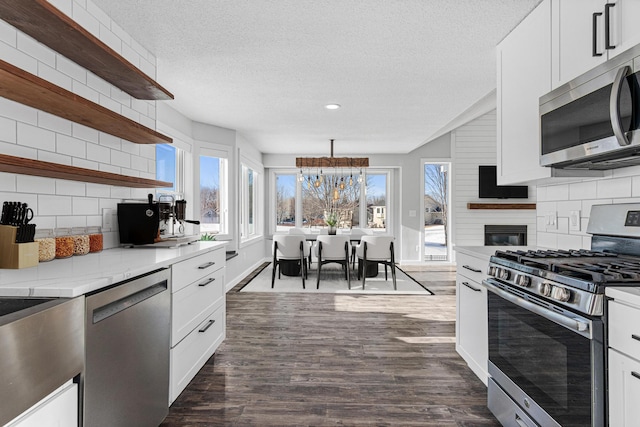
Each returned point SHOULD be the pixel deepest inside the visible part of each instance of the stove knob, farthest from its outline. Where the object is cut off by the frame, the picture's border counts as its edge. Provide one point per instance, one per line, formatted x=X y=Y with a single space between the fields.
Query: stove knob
x=561 y=294
x=523 y=280
x=491 y=271
x=545 y=289
x=503 y=274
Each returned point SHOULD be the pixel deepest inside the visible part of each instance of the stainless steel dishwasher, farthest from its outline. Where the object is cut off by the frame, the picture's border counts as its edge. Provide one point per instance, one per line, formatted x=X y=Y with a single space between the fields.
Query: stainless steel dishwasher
x=127 y=327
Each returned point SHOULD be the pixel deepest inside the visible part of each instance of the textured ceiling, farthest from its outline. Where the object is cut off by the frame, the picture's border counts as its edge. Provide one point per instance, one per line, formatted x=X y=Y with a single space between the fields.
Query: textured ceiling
x=401 y=69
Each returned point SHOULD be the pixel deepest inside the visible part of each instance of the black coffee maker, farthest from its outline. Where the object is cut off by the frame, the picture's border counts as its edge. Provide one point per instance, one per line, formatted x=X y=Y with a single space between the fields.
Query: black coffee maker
x=138 y=222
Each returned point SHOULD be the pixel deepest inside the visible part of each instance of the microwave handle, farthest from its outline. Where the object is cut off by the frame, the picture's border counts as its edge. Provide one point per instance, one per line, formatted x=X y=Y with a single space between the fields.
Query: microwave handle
x=614 y=105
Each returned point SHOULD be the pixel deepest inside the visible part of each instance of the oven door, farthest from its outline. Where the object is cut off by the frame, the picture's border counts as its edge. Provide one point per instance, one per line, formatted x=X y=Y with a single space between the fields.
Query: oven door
x=548 y=360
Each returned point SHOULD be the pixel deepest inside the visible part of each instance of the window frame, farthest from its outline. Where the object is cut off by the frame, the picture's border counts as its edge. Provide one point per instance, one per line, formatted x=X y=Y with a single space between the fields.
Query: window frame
x=226 y=202
x=243 y=214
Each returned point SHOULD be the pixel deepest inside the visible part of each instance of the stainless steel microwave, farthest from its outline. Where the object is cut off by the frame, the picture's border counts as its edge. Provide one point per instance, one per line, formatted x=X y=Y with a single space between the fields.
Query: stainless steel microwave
x=593 y=121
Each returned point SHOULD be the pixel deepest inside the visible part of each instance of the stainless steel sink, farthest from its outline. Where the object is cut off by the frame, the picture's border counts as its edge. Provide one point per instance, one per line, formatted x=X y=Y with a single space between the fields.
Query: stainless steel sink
x=41 y=347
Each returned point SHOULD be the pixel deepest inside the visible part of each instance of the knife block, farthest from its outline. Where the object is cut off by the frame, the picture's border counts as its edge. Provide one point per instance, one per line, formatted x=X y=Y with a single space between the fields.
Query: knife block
x=16 y=255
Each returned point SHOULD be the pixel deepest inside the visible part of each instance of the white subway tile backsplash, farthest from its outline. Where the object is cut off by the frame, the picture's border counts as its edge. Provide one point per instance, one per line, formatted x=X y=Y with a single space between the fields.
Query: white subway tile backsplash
x=44 y=221
x=109 y=203
x=132 y=148
x=121 y=96
x=109 y=103
x=70 y=188
x=85 y=91
x=18 y=58
x=54 y=123
x=563 y=225
x=546 y=240
x=98 y=84
x=98 y=190
x=557 y=192
x=86 y=164
x=144 y=53
x=120 y=193
x=98 y=13
x=54 y=76
x=109 y=168
x=94 y=221
x=139 y=163
x=569 y=241
x=121 y=159
x=35 y=184
x=32 y=136
x=582 y=190
x=129 y=172
x=86 y=19
x=8 y=130
x=614 y=188
x=71 y=69
x=8 y=34
x=148 y=68
x=110 y=39
x=122 y=34
x=48 y=156
x=85 y=133
x=98 y=153
x=151 y=166
x=54 y=205
x=129 y=113
x=35 y=49
x=86 y=206
x=131 y=55
x=19 y=112
x=565 y=208
x=148 y=151
x=69 y=221
x=18 y=150
x=110 y=141
x=71 y=146
x=148 y=122
x=7 y=182
x=64 y=6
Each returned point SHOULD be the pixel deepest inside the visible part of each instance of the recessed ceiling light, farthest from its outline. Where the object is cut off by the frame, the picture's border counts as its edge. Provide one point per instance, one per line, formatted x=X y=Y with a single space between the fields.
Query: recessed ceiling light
x=332 y=106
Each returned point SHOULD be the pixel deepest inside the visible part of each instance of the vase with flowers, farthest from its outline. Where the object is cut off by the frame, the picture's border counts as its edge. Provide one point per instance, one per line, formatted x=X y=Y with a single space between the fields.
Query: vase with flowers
x=331 y=220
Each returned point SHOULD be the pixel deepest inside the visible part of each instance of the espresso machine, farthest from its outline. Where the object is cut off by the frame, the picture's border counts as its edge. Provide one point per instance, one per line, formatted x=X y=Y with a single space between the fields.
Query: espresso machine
x=173 y=222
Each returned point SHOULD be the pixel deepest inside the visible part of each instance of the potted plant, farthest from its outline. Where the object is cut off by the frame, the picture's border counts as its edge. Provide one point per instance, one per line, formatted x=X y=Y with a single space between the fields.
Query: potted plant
x=331 y=220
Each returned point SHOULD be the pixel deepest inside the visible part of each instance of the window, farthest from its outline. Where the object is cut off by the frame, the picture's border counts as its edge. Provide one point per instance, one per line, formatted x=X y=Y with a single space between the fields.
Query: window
x=213 y=179
x=248 y=203
x=168 y=167
x=358 y=200
x=376 y=196
x=285 y=201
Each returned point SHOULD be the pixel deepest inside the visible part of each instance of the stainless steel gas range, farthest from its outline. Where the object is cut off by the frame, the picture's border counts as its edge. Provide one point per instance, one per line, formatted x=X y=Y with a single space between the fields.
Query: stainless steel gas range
x=547 y=323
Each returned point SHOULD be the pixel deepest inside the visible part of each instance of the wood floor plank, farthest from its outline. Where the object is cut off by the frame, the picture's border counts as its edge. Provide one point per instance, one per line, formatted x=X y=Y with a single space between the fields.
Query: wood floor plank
x=341 y=360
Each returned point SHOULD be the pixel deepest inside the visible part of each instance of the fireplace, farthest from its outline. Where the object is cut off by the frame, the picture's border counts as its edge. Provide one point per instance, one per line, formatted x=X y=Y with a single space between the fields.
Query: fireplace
x=505 y=235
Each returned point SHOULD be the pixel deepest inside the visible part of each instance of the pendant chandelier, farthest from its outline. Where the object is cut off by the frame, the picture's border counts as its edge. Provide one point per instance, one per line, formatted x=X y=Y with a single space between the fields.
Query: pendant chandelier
x=340 y=175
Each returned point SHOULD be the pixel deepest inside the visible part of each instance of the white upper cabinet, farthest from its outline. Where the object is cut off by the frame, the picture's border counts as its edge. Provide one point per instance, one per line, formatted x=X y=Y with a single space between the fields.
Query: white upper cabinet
x=586 y=33
x=524 y=75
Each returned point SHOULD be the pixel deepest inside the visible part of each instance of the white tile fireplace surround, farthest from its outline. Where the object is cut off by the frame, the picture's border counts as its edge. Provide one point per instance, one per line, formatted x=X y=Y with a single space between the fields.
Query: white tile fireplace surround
x=574 y=200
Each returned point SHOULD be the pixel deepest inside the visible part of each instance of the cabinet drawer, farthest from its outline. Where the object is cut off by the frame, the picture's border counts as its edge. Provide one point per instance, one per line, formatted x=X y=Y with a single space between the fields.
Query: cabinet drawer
x=624 y=390
x=471 y=267
x=188 y=271
x=194 y=350
x=191 y=304
x=624 y=329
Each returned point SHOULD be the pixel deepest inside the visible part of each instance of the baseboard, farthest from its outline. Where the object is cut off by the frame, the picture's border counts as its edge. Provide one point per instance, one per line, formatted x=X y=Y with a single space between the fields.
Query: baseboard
x=231 y=283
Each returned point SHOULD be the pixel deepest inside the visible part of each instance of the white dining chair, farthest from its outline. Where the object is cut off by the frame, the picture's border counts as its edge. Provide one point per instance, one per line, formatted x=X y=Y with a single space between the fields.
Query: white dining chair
x=355 y=237
x=300 y=232
x=289 y=248
x=377 y=249
x=333 y=248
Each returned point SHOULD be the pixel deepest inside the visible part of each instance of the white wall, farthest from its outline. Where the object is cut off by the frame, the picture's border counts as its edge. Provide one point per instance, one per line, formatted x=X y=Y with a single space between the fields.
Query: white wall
x=34 y=134
x=474 y=144
x=620 y=186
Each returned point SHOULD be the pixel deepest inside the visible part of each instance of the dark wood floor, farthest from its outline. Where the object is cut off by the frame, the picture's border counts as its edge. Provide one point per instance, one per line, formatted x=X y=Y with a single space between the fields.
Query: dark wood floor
x=338 y=360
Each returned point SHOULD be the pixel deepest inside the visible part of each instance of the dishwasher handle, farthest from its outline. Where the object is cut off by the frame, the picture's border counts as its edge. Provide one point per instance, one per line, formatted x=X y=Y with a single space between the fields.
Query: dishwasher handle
x=119 y=305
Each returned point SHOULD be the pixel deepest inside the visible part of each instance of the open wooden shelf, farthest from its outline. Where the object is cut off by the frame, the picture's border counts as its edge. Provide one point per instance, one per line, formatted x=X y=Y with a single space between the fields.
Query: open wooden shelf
x=501 y=205
x=21 y=86
x=25 y=166
x=51 y=27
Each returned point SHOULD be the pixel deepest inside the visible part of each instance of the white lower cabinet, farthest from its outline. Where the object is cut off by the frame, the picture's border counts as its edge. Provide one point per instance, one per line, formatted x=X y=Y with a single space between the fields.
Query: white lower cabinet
x=198 y=316
x=59 y=409
x=624 y=359
x=471 y=313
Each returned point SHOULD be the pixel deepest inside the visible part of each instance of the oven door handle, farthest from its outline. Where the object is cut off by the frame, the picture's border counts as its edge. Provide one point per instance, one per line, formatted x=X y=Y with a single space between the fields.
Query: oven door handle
x=576 y=325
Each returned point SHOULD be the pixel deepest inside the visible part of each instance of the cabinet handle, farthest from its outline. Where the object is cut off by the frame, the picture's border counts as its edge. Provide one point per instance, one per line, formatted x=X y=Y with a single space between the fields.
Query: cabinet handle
x=594 y=32
x=607 y=26
x=635 y=374
x=206 y=282
x=471 y=287
x=475 y=270
x=635 y=337
x=207 y=265
x=207 y=326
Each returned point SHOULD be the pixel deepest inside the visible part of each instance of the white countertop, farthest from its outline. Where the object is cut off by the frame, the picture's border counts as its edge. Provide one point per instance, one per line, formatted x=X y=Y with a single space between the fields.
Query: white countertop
x=486 y=251
x=78 y=275
x=628 y=294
